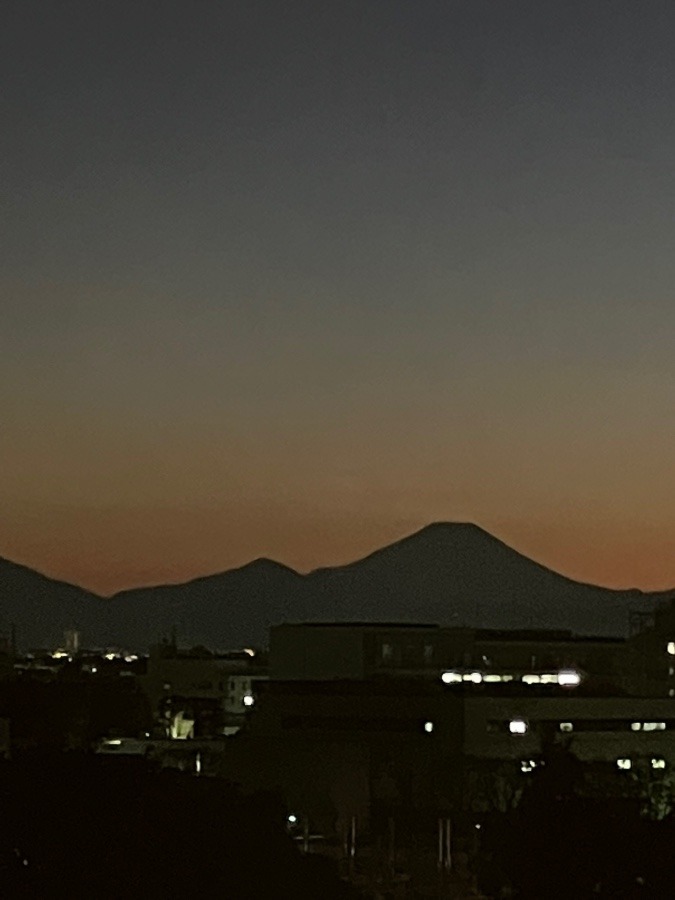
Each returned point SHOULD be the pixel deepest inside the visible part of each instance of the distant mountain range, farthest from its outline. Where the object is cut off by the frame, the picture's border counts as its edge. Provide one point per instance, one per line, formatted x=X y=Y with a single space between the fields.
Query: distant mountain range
x=447 y=573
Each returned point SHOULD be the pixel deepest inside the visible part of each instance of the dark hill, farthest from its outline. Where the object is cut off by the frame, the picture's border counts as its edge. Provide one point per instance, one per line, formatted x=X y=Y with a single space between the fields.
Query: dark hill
x=42 y=608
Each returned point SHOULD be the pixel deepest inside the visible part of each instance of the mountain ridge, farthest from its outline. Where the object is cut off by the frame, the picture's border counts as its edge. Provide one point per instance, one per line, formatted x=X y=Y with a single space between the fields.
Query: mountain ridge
x=447 y=572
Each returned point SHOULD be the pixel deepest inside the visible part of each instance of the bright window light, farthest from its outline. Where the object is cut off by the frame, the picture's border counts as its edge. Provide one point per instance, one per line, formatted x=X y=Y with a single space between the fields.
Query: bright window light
x=492 y=679
x=670 y=647
x=566 y=726
x=624 y=763
x=653 y=726
x=518 y=726
x=658 y=763
x=248 y=700
x=292 y=819
x=527 y=765
x=636 y=726
x=428 y=727
x=451 y=677
x=531 y=679
x=569 y=678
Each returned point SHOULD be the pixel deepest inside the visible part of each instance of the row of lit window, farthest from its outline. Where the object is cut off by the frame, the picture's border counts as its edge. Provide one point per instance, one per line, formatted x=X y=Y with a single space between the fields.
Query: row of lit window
x=565 y=678
x=625 y=763
x=520 y=726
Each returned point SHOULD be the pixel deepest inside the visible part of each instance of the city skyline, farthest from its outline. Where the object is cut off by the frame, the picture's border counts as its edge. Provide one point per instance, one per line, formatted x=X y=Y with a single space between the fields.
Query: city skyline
x=294 y=282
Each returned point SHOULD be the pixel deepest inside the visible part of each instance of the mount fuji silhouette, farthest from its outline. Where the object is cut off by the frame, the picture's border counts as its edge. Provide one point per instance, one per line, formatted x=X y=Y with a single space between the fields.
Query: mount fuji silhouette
x=447 y=573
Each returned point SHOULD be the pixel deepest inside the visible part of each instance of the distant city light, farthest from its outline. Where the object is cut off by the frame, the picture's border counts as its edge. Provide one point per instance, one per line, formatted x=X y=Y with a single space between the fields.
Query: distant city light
x=658 y=763
x=518 y=726
x=248 y=700
x=566 y=726
x=671 y=648
x=292 y=819
x=59 y=654
x=428 y=727
x=451 y=677
x=115 y=742
x=527 y=765
x=198 y=763
x=624 y=763
x=249 y=651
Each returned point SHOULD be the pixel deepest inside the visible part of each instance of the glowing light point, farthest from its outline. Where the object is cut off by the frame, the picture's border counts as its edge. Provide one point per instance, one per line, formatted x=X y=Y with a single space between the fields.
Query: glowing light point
x=428 y=727
x=518 y=726
x=569 y=678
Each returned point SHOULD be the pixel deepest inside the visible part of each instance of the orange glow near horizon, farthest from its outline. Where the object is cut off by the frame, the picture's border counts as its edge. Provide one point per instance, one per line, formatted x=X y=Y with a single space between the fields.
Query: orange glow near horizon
x=111 y=550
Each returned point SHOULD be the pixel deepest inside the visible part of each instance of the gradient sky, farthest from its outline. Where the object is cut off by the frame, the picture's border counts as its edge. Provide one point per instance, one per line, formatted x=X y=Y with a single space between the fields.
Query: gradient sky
x=294 y=279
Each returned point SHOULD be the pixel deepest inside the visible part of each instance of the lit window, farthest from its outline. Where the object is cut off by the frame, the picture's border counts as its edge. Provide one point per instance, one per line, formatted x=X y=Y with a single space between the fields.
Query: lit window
x=473 y=677
x=624 y=763
x=248 y=700
x=292 y=819
x=569 y=678
x=527 y=765
x=671 y=671
x=518 y=726
x=636 y=726
x=451 y=677
x=492 y=679
x=428 y=727
x=658 y=762
x=566 y=726
x=670 y=647
x=549 y=678
x=531 y=679
x=653 y=726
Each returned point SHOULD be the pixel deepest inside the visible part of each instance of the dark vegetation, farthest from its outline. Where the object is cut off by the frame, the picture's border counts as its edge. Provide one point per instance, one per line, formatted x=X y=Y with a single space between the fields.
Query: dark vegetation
x=559 y=842
x=84 y=826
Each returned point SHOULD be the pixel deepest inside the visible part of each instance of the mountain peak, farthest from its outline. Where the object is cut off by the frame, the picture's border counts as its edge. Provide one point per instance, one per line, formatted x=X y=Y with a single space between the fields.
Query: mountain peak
x=450 y=529
x=264 y=564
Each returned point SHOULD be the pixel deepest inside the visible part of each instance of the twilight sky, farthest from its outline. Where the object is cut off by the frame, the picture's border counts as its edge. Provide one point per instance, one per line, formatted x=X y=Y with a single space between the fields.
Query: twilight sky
x=295 y=278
